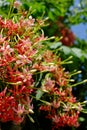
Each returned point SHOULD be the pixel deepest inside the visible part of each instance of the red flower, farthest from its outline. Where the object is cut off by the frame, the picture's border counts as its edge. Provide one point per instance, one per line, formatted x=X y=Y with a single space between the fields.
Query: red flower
x=68 y=37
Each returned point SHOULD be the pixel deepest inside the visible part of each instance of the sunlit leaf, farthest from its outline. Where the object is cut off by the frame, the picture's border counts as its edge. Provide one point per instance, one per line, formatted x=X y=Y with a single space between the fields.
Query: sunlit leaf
x=55 y=45
x=66 y=50
x=77 y=52
x=39 y=94
x=81 y=119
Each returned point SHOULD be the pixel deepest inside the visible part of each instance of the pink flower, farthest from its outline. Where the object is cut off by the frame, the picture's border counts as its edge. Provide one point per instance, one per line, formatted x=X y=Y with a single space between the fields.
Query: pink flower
x=20 y=110
x=28 y=105
x=17 y=4
x=48 y=85
x=56 y=104
x=56 y=119
x=2 y=39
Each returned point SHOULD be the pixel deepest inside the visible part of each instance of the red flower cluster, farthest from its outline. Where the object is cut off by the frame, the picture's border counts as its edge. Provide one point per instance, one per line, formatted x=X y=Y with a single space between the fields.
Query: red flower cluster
x=22 y=56
x=16 y=58
x=63 y=109
x=68 y=36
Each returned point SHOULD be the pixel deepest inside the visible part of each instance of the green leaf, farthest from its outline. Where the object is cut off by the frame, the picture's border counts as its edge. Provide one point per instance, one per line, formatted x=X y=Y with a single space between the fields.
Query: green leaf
x=31 y=119
x=84 y=111
x=10 y=0
x=85 y=55
x=51 y=16
x=81 y=119
x=55 y=45
x=39 y=94
x=66 y=50
x=77 y=52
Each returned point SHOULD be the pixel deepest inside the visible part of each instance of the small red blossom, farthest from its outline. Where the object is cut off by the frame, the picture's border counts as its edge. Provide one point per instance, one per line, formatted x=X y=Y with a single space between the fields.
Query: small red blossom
x=45 y=108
